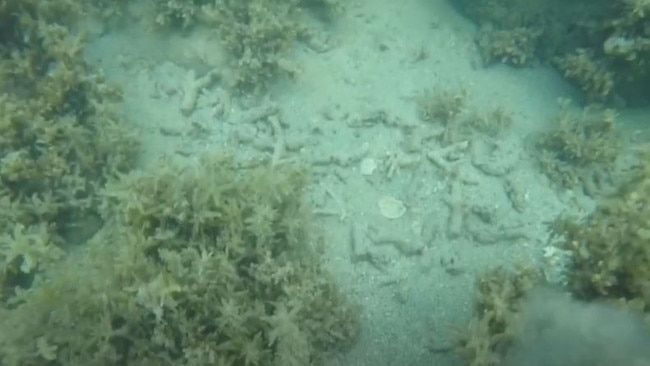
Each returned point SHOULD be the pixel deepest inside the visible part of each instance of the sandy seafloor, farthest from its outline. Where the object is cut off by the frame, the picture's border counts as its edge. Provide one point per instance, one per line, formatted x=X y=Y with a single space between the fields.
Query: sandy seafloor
x=413 y=302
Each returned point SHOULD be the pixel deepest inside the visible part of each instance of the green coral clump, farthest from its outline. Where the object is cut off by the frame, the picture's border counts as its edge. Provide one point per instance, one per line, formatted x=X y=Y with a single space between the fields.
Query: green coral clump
x=601 y=46
x=609 y=253
x=611 y=246
x=186 y=266
x=594 y=78
x=493 y=122
x=582 y=149
x=492 y=328
x=515 y=46
x=199 y=265
x=258 y=34
x=609 y=262
x=177 y=13
x=60 y=137
x=441 y=105
x=447 y=108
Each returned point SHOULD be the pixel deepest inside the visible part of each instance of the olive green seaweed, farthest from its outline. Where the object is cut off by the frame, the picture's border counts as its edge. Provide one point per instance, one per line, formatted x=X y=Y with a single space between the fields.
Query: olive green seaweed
x=611 y=246
x=258 y=34
x=60 y=138
x=203 y=265
x=601 y=46
x=609 y=251
x=582 y=149
x=516 y=46
x=492 y=328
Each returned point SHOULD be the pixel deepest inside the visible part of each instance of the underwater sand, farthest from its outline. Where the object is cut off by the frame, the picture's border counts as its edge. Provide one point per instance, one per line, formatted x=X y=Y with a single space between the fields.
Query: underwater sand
x=419 y=293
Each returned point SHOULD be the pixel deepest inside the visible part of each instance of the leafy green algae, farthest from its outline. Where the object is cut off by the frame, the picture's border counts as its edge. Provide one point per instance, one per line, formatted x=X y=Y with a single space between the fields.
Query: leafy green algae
x=202 y=265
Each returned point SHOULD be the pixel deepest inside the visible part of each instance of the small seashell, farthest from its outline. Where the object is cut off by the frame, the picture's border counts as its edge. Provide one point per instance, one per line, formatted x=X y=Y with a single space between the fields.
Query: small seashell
x=391 y=208
x=368 y=166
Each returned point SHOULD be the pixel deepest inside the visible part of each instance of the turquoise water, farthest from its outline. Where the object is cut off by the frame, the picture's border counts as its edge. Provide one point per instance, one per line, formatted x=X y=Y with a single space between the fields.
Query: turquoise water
x=305 y=182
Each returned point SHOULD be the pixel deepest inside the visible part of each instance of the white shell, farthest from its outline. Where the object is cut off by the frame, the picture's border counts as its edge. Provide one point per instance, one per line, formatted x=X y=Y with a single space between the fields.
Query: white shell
x=368 y=166
x=391 y=208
